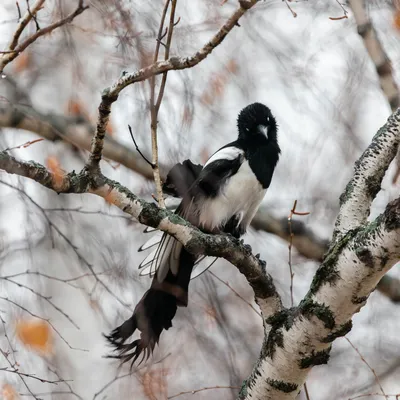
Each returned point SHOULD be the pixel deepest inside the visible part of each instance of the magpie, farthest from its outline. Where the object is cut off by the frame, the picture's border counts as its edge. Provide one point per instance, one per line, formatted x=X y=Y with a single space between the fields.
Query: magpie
x=220 y=197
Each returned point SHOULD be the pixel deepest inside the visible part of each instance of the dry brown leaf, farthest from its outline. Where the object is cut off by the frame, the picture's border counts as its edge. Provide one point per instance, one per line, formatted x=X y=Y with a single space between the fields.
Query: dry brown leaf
x=22 y=62
x=53 y=165
x=8 y=392
x=36 y=334
x=154 y=383
x=396 y=20
x=77 y=108
x=110 y=129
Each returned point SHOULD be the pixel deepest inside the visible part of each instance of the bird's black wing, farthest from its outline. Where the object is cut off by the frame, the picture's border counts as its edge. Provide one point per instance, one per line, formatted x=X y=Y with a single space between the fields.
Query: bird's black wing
x=220 y=167
x=180 y=178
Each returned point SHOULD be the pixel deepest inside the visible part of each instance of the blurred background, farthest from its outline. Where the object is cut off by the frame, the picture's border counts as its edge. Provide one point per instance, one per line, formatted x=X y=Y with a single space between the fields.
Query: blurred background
x=68 y=263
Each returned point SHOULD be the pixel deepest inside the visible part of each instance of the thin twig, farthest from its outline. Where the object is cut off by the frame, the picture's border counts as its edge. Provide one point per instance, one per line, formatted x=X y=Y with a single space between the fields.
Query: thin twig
x=16 y=49
x=235 y=292
x=110 y=94
x=43 y=319
x=32 y=376
x=19 y=11
x=8 y=339
x=155 y=105
x=33 y=16
x=24 y=145
x=378 y=382
x=23 y=22
x=19 y=375
x=396 y=396
x=45 y=298
x=290 y=9
x=69 y=242
x=202 y=389
x=306 y=391
x=138 y=150
x=130 y=373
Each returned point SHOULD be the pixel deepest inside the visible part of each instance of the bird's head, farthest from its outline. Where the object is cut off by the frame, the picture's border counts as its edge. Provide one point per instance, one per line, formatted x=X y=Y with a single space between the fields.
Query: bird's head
x=257 y=119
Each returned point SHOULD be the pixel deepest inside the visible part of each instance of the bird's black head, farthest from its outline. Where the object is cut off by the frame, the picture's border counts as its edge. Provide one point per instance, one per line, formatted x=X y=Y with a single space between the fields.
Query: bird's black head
x=256 y=119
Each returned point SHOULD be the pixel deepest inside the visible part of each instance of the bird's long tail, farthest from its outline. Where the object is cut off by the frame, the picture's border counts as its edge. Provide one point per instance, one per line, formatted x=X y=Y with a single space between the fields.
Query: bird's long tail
x=153 y=313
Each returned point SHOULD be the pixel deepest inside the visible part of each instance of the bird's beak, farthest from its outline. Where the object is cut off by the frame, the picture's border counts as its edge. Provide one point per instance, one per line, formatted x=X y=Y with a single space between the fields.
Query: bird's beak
x=263 y=130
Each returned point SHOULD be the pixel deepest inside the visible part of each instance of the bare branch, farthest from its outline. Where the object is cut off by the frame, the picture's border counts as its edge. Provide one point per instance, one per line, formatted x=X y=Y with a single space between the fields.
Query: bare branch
x=376 y=52
x=300 y=338
x=14 y=50
x=110 y=95
x=23 y=22
x=155 y=107
x=149 y=214
x=74 y=130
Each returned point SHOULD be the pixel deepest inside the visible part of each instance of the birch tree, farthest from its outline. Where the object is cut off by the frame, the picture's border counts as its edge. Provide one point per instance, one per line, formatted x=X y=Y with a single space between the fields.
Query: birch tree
x=360 y=252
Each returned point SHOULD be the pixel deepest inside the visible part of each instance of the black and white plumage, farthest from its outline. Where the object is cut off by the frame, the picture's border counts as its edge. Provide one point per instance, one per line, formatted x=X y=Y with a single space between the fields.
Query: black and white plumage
x=221 y=197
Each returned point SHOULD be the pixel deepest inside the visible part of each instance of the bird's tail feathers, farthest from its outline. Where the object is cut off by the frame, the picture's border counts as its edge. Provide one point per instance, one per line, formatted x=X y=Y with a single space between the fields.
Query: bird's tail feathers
x=152 y=315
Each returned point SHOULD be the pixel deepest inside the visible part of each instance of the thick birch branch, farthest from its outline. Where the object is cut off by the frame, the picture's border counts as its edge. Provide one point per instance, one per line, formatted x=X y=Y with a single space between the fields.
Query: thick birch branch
x=77 y=131
x=149 y=214
x=380 y=59
x=301 y=337
x=369 y=171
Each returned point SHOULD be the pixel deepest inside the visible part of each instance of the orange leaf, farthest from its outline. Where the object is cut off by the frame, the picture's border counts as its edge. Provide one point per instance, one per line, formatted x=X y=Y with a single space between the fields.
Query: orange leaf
x=110 y=129
x=77 y=108
x=22 y=62
x=54 y=166
x=8 y=392
x=396 y=20
x=36 y=334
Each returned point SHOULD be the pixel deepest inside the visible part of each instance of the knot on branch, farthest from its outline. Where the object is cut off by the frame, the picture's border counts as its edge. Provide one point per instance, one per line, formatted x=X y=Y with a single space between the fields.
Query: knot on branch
x=392 y=215
x=246 y=4
x=364 y=29
x=107 y=97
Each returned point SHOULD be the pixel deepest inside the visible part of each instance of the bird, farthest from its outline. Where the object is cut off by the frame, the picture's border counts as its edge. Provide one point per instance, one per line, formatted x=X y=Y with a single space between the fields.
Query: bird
x=220 y=197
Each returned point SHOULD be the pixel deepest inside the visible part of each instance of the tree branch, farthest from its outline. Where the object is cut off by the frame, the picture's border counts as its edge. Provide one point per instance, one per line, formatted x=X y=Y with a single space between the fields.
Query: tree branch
x=195 y=241
x=376 y=52
x=23 y=22
x=155 y=105
x=15 y=50
x=74 y=130
x=77 y=131
x=362 y=253
x=369 y=171
x=110 y=95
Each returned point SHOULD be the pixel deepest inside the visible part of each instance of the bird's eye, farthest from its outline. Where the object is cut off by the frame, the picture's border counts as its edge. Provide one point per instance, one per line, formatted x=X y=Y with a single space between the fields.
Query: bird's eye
x=267 y=119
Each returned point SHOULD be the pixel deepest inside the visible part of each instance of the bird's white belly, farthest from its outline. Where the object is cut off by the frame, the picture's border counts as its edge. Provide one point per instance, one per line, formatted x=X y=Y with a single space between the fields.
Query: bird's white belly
x=241 y=194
